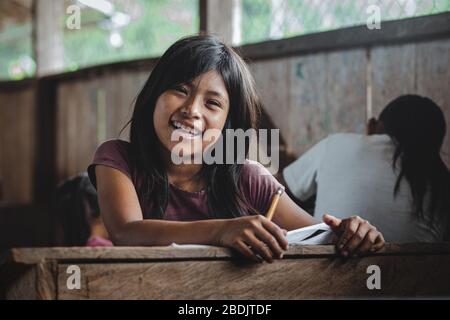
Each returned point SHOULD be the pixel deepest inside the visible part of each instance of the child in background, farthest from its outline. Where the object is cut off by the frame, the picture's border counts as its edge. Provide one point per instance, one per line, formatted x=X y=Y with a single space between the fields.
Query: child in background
x=77 y=217
x=394 y=176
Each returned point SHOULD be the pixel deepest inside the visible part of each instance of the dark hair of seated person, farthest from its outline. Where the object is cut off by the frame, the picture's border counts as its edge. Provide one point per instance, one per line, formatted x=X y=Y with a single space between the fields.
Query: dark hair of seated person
x=417 y=128
x=75 y=209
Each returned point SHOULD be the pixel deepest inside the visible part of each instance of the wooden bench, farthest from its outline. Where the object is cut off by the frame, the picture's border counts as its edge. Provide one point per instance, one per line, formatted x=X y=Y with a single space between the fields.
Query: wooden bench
x=408 y=270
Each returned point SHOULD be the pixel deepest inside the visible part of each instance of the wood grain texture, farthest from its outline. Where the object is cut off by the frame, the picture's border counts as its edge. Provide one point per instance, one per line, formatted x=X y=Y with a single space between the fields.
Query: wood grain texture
x=407 y=270
x=2 y=152
x=17 y=145
x=38 y=255
x=327 y=95
x=419 y=68
x=24 y=288
x=62 y=135
x=272 y=81
x=393 y=74
x=410 y=276
x=46 y=280
x=36 y=282
x=89 y=112
x=311 y=96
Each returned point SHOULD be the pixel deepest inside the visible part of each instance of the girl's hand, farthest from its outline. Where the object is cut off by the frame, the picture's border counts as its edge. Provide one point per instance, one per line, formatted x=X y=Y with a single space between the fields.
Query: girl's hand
x=252 y=235
x=355 y=235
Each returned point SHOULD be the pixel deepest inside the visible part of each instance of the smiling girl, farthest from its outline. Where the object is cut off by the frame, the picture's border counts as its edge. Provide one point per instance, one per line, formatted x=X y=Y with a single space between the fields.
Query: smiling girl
x=200 y=84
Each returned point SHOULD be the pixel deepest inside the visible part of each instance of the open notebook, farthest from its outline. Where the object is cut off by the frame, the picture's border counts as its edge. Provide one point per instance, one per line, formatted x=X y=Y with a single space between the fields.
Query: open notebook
x=315 y=234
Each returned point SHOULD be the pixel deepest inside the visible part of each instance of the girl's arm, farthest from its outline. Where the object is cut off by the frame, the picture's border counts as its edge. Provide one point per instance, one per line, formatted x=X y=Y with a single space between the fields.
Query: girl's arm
x=290 y=216
x=353 y=235
x=122 y=216
x=250 y=235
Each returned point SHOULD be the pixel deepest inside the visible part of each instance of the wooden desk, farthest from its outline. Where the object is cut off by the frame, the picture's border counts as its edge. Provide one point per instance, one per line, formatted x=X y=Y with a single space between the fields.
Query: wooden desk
x=408 y=270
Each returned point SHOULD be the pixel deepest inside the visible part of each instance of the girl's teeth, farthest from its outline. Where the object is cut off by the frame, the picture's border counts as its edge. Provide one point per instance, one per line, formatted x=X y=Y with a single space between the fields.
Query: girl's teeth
x=180 y=126
x=185 y=128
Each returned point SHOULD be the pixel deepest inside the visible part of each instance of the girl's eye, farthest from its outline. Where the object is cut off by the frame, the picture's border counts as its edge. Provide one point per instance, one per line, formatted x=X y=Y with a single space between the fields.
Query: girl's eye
x=181 y=89
x=214 y=103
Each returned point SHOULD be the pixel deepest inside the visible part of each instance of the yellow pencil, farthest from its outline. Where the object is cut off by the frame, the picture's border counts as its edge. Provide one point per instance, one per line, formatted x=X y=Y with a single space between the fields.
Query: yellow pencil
x=276 y=197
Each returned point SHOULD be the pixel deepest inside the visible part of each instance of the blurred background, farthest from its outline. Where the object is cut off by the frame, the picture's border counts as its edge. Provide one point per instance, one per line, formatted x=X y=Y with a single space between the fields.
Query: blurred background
x=70 y=70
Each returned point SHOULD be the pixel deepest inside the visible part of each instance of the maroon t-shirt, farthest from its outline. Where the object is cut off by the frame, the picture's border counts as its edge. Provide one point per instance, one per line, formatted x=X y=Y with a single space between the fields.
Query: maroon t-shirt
x=257 y=184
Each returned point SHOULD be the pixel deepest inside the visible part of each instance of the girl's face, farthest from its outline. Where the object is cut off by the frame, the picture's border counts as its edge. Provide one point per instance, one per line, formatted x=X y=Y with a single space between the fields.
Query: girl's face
x=183 y=113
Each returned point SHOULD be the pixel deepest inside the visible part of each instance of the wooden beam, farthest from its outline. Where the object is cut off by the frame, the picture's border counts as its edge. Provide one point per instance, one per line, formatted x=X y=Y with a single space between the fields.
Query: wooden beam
x=296 y=278
x=31 y=256
x=405 y=270
x=403 y=31
x=392 y=32
x=221 y=17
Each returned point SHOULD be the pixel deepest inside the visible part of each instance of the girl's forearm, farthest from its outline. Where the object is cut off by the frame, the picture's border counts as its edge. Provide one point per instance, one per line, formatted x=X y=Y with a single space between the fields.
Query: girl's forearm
x=163 y=233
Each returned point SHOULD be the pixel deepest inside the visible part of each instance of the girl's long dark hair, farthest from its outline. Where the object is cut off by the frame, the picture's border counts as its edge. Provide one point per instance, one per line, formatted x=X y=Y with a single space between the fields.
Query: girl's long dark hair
x=181 y=63
x=417 y=127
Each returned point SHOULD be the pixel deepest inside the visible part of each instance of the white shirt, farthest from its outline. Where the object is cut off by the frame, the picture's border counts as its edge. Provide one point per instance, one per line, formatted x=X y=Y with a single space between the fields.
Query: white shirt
x=352 y=174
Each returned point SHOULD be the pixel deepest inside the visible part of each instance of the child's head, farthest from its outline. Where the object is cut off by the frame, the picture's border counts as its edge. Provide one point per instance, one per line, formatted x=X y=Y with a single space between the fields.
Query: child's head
x=76 y=211
x=416 y=123
x=417 y=127
x=198 y=84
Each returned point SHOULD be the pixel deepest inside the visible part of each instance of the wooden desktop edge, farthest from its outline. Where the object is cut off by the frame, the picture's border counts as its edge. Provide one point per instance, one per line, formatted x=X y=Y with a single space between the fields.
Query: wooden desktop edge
x=107 y=254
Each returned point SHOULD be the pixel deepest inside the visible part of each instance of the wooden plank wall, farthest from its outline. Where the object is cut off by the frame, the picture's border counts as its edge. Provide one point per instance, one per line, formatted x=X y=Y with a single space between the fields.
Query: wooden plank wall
x=311 y=96
x=421 y=68
x=17 y=145
x=307 y=97
x=90 y=111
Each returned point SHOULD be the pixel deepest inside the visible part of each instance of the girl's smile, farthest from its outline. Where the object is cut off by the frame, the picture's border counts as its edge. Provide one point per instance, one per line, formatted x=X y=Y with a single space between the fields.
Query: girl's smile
x=186 y=130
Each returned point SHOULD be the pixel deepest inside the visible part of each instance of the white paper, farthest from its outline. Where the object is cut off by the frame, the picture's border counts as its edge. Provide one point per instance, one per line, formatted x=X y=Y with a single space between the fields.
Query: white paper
x=190 y=246
x=299 y=236
x=304 y=235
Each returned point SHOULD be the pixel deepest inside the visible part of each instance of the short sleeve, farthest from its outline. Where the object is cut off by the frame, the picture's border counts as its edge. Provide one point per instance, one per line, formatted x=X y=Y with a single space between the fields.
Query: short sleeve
x=114 y=154
x=259 y=185
x=301 y=175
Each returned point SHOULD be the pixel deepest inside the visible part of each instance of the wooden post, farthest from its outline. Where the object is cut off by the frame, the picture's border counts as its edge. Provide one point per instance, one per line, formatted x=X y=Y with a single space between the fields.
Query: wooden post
x=48 y=36
x=203 y=16
x=223 y=20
